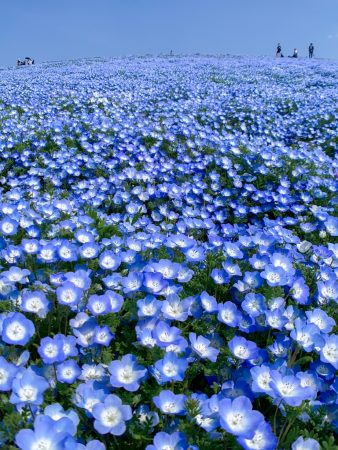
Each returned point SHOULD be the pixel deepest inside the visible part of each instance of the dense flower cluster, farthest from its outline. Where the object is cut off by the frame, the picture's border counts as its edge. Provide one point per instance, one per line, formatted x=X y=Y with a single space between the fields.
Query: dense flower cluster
x=169 y=255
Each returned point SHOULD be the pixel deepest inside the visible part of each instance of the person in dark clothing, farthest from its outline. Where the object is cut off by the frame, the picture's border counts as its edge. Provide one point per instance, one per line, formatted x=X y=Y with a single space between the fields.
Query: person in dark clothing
x=295 y=53
x=279 y=51
x=311 y=50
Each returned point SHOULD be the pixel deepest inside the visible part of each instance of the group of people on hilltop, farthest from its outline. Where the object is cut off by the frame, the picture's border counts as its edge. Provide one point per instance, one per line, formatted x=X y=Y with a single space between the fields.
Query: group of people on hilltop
x=26 y=62
x=279 y=53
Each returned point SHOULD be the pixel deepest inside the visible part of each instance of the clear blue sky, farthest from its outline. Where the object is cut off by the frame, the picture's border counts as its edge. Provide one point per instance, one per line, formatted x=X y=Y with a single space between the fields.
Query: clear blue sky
x=64 y=29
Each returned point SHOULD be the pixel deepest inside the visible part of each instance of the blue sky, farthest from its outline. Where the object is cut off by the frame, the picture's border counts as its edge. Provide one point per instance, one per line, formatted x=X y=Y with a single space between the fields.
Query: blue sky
x=65 y=29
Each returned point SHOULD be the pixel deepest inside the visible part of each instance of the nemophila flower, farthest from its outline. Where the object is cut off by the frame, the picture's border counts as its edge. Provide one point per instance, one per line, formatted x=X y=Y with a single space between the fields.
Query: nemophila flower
x=305 y=444
x=184 y=274
x=165 y=441
x=80 y=278
x=166 y=335
x=319 y=317
x=167 y=268
x=154 y=282
x=69 y=294
x=169 y=403
x=229 y=314
x=126 y=373
x=47 y=253
x=327 y=291
x=133 y=282
x=8 y=226
x=111 y=416
x=331 y=225
x=116 y=301
x=238 y=418
x=84 y=236
x=146 y=417
x=231 y=268
x=261 y=377
x=171 y=367
x=275 y=276
x=242 y=348
x=253 y=304
x=275 y=318
x=28 y=388
x=7 y=373
x=86 y=396
x=208 y=302
x=67 y=251
x=47 y=434
x=148 y=306
x=253 y=279
x=195 y=254
x=310 y=379
x=30 y=246
x=263 y=439
x=308 y=336
x=202 y=347
x=51 y=350
x=92 y=372
x=68 y=371
x=16 y=275
x=109 y=260
x=174 y=308
x=17 y=329
x=329 y=351
x=89 y=250
x=99 y=304
x=219 y=276
x=35 y=302
x=288 y=388
x=85 y=332
x=233 y=250
x=300 y=291
x=56 y=412
x=6 y=287
x=103 y=336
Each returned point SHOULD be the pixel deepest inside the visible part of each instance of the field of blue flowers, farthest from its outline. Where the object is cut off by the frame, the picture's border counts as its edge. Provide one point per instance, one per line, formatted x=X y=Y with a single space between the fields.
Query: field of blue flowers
x=169 y=255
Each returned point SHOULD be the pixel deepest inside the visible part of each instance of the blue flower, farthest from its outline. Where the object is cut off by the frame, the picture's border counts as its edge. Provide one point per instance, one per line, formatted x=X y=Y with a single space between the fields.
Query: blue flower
x=242 y=348
x=126 y=373
x=47 y=434
x=111 y=416
x=174 y=441
x=35 y=302
x=171 y=367
x=202 y=347
x=275 y=276
x=51 y=350
x=305 y=444
x=170 y=403
x=7 y=373
x=68 y=371
x=289 y=389
x=329 y=351
x=28 y=388
x=263 y=439
x=238 y=418
x=69 y=294
x=17 y=329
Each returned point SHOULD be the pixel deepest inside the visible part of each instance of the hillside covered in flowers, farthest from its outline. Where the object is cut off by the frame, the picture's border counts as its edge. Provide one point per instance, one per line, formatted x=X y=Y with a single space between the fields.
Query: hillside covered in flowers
x=169 y=254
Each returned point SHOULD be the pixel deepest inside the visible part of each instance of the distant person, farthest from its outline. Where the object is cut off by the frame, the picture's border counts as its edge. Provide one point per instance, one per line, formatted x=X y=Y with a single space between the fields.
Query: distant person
x=311 y=50
x=295 y=53
x=279 y=53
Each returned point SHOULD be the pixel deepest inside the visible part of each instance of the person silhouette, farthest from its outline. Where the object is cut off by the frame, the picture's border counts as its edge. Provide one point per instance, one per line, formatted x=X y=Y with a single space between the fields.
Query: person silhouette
x=311 y=50
x=279 y=51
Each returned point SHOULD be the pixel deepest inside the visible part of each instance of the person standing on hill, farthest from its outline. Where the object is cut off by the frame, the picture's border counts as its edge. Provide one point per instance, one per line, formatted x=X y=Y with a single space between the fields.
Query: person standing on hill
x=311 y=50
x=279 y=51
